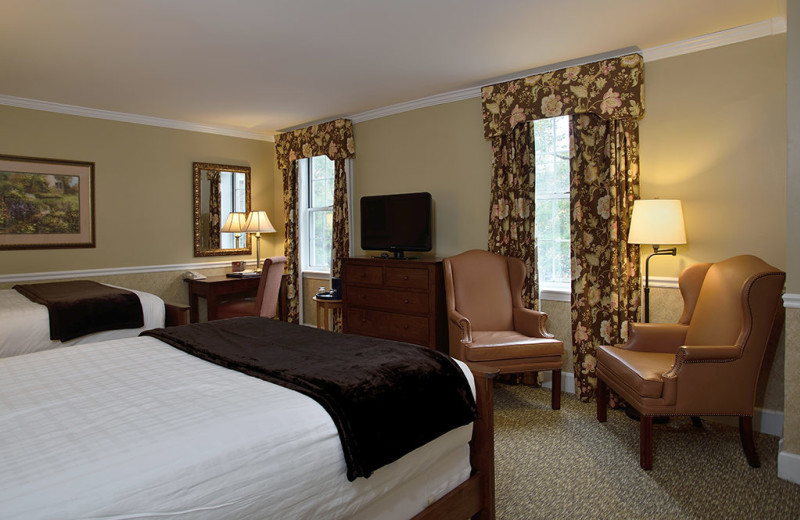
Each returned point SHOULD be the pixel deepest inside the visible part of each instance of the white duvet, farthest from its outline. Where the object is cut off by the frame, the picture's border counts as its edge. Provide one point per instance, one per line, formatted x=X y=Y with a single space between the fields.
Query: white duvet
x=134 y=428
x=25 y=325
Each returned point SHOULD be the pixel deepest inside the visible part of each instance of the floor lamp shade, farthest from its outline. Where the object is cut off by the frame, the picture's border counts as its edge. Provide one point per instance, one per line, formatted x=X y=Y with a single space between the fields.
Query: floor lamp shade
x=656 y=222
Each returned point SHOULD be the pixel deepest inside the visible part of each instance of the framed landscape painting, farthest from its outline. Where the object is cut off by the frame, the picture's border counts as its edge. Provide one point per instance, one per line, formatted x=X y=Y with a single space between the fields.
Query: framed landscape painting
x=46 y=203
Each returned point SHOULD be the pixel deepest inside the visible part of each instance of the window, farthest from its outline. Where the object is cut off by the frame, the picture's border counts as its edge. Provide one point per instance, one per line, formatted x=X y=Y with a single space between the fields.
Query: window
x=552 y=202
x=316 y=176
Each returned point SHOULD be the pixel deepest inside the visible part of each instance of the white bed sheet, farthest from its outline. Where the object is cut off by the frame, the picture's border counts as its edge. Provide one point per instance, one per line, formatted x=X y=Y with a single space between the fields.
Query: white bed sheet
x=25 y=325
x=134 y=428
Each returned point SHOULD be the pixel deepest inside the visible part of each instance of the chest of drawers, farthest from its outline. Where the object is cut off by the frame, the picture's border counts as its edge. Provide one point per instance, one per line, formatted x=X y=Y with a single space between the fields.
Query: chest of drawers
x=402 y=300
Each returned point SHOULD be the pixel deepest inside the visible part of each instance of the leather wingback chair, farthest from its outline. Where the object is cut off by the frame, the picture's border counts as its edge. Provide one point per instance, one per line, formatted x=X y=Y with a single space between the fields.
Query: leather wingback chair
x=266 y=302
x=706 y=364
x=488 y=323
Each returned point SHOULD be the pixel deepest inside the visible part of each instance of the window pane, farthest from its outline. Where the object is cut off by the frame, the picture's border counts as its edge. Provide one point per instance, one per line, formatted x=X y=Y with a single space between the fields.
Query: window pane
x=321 y=226
x=321 y=182
x=552 y=199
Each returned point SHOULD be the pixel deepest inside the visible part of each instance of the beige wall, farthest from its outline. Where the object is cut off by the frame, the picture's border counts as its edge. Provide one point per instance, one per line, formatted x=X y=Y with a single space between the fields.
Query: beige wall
x=143 y=187
x=439 y=149
x=791 y=439
x=713 y=137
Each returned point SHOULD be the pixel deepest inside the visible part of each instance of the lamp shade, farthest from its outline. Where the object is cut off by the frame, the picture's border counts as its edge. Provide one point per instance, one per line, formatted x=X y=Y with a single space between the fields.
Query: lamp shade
x=657 y=222
x=258 y=222
x=235 y=222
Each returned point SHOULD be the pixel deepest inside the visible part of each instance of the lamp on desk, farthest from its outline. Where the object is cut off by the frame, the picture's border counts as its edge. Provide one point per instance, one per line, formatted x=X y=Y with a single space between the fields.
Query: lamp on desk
x=235 y=224
x=656 y=222
x=258 y=222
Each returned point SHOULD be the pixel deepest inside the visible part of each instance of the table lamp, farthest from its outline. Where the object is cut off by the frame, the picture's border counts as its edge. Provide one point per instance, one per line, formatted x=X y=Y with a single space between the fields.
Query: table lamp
x=656 y=222
x=258 y=222
x=235 y=224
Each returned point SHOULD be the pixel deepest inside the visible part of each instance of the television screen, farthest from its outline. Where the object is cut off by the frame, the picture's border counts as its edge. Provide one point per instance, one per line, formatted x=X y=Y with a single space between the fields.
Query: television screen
x=396 y=223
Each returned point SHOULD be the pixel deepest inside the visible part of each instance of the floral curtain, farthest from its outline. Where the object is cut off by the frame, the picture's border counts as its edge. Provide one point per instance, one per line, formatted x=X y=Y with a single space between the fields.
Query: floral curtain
x=605 y=281
x=605 y=100
x=334 y=139
x=511 y=217
x=214 y=197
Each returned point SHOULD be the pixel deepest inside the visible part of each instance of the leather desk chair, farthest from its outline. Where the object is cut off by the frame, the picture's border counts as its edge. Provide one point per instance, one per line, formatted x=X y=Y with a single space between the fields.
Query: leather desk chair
x=266 y=302
x=706 y=364
x=487 y=322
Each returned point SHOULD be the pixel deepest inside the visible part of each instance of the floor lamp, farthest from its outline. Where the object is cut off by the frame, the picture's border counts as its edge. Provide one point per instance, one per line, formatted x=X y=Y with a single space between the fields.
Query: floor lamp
x=258 y=222
x=656 y=222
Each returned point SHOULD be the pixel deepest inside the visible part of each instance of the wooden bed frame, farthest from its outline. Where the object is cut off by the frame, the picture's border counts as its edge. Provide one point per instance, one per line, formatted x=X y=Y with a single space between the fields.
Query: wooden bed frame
x=473 y=498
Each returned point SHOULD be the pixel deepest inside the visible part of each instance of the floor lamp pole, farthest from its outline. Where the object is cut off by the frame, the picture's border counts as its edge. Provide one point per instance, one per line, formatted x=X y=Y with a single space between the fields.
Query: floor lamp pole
x=656 y=252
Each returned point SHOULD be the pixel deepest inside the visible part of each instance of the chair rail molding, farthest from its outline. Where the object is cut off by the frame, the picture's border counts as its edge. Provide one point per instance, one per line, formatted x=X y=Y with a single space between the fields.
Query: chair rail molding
x=81 y=273
x=791 y=301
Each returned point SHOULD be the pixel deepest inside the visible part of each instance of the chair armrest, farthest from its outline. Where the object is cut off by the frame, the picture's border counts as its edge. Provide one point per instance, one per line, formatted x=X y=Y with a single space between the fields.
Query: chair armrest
x=531 y=323
x=656 y=337
x=462 y=322
x=703 y=353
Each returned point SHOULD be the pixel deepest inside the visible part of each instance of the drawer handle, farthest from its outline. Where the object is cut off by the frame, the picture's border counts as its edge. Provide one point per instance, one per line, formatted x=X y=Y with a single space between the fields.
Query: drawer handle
x=405 y=277
x=405 y=327
x=405 y=301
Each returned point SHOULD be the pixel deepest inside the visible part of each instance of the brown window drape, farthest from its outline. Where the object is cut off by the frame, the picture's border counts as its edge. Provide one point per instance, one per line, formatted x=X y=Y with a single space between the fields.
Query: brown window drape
x=605 y=100
x=335 y=140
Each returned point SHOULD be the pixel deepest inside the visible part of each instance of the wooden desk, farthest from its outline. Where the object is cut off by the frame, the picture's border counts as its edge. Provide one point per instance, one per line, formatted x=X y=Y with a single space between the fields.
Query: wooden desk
x=220 y=288
x=323 y=306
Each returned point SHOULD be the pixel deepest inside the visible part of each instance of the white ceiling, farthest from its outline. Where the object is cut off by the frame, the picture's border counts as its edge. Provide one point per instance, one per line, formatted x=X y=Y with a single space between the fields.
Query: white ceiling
x=267 y=65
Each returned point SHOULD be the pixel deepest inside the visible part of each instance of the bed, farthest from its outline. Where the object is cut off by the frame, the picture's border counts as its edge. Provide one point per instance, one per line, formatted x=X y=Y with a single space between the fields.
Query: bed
x=134 y=428
x=24 y=325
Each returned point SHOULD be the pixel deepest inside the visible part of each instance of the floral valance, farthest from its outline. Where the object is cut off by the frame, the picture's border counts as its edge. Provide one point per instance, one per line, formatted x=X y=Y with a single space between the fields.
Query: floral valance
x=611 y=89
x=334 y=139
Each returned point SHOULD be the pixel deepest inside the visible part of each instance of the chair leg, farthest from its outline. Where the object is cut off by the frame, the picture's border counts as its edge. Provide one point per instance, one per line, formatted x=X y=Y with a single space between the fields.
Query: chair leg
x=646 y=442
x=555 y=399
x=749 y=446
x=697 y=422
x=602 y=400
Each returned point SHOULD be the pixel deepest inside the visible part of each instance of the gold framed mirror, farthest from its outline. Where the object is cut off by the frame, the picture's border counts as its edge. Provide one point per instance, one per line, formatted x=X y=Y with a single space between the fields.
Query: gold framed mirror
x=219 y=189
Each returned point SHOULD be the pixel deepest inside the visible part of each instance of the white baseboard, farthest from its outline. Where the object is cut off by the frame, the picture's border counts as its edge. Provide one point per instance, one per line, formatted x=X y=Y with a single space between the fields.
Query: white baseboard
x=788 y=465
x=764 y=420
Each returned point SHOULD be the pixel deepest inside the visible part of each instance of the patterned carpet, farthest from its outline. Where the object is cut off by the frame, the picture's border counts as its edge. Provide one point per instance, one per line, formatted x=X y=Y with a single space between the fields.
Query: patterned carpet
x=564 y=464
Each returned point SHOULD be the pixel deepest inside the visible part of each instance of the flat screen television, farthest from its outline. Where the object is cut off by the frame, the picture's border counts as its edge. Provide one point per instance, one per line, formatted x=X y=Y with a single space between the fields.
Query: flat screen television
x=396 y=223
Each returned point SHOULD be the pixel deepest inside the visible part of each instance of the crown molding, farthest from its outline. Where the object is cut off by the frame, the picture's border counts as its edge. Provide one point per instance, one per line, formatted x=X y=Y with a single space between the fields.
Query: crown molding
x=709 y=41
x=700 y=43
x=718 y=39
x=123 y=117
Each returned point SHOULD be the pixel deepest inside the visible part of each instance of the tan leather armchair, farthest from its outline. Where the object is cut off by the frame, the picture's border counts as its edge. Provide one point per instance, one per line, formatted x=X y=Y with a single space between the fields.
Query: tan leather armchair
x=706 y=364
x=266 y=302
x=487 y=322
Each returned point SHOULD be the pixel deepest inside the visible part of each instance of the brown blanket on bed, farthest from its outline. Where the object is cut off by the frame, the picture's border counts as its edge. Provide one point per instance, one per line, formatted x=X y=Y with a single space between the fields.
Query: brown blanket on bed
x=81 y=307
x=386 y=398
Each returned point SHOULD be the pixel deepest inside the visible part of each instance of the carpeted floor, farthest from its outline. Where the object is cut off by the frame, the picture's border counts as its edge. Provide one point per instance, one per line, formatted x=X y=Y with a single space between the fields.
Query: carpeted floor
x=565 y=464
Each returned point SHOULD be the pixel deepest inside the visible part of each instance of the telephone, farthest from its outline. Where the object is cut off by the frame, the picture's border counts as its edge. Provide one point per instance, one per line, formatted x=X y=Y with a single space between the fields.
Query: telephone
x=193 y=275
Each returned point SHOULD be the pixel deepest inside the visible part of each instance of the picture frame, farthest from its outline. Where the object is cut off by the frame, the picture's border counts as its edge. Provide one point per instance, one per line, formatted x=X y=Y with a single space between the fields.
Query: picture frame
x=46 y=203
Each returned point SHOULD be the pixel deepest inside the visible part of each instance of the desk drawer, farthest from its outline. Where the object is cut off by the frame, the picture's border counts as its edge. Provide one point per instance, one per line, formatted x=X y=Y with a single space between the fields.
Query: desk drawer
x=407 y=277
x=399 y=327
x=363 y=274
x=402 y=301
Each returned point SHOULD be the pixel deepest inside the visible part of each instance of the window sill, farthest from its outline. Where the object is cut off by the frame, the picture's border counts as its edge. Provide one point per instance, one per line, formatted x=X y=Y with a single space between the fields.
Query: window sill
x=315 y=274
x=556 y=293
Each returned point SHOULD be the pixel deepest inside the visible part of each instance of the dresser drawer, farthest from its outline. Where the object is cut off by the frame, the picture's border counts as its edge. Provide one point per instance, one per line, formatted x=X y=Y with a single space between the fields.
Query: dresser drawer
x=363 y=274
x=392 y=300
x=400 y=327
x=406 y=277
